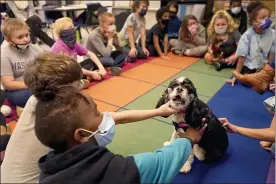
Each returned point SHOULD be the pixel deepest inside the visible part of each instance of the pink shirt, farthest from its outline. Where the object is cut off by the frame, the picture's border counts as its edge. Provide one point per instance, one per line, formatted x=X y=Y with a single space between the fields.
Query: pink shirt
x=61 y=47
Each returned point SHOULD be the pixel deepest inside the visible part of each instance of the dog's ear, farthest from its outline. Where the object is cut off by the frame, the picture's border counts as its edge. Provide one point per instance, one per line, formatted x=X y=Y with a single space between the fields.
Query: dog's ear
x=190 y=86
x=163 y=99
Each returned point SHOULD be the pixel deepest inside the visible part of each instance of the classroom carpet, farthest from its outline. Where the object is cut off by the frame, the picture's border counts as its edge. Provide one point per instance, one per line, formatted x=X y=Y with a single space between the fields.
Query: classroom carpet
x=142 y=84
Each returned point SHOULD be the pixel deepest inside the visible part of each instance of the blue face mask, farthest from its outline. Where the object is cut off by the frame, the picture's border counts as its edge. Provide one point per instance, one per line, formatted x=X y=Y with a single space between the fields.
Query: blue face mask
x=69 y=37
x=143 y=12
x=105 y=132
x=266 y=23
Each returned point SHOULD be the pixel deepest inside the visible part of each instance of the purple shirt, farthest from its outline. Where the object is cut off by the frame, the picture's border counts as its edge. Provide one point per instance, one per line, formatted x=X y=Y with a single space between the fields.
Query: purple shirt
x=61 y=47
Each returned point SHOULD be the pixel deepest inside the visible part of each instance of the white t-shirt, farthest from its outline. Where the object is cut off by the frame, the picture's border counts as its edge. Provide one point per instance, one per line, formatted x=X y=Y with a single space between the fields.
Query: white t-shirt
x=20 y=164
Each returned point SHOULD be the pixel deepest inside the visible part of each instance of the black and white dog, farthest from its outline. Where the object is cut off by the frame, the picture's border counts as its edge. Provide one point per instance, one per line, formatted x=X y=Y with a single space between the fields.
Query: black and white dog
x=214 y=142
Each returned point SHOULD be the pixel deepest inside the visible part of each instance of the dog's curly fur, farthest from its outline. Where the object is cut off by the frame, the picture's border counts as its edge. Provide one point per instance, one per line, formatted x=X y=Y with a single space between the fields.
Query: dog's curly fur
x=214 y=140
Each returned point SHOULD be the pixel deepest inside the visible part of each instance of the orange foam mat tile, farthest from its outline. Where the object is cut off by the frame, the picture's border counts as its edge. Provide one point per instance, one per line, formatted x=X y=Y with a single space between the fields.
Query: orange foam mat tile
x=118 y=91
x=12 y=125
x=176 y=61
x=151 y=73
x=104 y=107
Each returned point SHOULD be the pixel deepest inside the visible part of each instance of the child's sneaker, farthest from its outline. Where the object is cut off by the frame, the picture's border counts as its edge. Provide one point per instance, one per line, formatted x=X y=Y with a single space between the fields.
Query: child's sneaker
x=217 y=66
x=178 y=52
x=6 y=110
x=115 y=71
x=85 y=83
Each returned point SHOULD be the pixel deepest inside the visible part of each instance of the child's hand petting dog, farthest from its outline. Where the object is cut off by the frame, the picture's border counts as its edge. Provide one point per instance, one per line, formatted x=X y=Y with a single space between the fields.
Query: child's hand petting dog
x=228 y=126
x=166 y=110
x=191 y=133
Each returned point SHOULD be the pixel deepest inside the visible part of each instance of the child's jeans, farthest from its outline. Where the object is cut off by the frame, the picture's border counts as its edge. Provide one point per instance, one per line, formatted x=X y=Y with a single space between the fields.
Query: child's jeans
x=19 y=97
x=117 y=59
x=140 y=52
x=153 y=51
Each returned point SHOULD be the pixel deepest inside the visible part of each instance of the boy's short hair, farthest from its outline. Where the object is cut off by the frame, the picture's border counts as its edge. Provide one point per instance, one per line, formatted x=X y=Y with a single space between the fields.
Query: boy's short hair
x=105 y=15
x=59 y=115
x=51 y=69
x=12 y=25
x=59 y=25
x=136 y=4
x=161 y=12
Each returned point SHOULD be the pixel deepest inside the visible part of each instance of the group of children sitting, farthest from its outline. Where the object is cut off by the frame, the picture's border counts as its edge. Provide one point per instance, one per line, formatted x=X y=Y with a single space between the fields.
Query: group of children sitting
x=56 y=80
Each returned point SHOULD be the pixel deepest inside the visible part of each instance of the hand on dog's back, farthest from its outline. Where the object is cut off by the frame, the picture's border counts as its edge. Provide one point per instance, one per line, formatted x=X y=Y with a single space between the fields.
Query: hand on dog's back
x=191 y=133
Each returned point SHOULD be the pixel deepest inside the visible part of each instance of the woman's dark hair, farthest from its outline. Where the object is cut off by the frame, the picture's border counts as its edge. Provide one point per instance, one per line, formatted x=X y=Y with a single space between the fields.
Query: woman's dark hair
x=161 y=12
x=58 y=117
x=174 y=4
x=184 y=27
x=136 y=4
x=253 y=9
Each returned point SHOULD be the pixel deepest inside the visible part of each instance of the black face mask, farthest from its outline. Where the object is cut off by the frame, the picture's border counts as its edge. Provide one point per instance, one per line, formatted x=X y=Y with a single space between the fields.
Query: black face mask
x=68 y=37
x=172 y=15
x=165 y=22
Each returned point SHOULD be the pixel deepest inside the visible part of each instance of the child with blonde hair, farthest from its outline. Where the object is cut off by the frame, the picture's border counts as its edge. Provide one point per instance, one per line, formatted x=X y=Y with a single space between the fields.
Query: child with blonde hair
x=223 y=27
x=105 y=43
x=16 y=52
x=66 y=33
x=192 y=38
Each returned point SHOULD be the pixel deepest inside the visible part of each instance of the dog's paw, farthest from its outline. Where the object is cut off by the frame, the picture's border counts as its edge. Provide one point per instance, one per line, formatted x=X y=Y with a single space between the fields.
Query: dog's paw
x=166 y=143
x=199 y=152
x=186 y=168
x=200 y=157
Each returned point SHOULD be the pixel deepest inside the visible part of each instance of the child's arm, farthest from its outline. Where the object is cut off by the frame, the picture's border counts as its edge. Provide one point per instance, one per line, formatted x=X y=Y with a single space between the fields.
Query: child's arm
x=10 y=84
x=166 y=43
x=143 y=41
x=133 y=51
x=139 y=115
x=96 y=60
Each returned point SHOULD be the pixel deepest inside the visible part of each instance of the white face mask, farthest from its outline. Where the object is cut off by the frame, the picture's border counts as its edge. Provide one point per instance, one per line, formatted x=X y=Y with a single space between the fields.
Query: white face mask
x=105 y=132
x=111 y=28
x=22 y=47
x=221 y=31
x=236 y=10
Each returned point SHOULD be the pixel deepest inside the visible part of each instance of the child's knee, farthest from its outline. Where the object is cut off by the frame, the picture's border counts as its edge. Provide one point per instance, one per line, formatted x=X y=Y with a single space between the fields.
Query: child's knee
x=208 y=58
x=173 y=42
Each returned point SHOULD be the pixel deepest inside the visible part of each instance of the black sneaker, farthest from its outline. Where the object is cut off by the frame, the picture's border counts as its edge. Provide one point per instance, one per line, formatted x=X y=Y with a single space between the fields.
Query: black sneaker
x=217 y=66
x=130 y=60
x=115 y=71
x=178 y=51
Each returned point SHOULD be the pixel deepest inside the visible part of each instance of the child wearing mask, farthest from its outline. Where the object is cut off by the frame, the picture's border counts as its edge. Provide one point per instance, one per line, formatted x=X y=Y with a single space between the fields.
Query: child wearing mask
x=78 y=133
x=134 y=27
x=191 y=40
x=222 y=27
x=238 y=14
x=256 y=50
x=49 y=72
x=174 y=23
x=157 y=41
x=16 y=52
x=66 y=32
x=104 y=42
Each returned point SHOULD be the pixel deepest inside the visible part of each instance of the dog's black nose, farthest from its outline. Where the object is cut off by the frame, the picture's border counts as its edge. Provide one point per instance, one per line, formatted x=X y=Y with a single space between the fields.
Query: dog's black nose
x=179 y=89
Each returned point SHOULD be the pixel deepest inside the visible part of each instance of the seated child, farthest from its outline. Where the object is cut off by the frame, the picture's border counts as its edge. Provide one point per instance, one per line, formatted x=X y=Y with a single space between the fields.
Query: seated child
x=65 y=31
x=238 y=14
x=52 y=71
x=257 y=45
x=223 y=28
x=191 y=40
x=134 y=26
x=16 y=52
x=157 y=41
x=104 y=42
x=78 y=133
x=174 y=23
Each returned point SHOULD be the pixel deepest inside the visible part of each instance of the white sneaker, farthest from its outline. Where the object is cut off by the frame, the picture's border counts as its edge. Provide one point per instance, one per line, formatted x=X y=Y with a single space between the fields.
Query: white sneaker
x=6 y=110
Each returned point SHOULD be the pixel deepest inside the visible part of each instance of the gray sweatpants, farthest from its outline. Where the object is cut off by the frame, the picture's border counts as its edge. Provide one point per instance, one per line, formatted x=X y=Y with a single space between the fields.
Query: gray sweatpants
x=195 y=50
